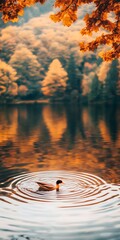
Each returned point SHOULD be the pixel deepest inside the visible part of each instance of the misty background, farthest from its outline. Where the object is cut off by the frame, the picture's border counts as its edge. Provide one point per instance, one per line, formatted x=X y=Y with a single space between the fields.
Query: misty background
x=41 y=59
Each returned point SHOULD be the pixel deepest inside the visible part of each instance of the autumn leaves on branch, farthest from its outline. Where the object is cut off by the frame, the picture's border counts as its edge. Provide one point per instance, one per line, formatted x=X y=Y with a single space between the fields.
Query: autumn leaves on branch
x=105 y=17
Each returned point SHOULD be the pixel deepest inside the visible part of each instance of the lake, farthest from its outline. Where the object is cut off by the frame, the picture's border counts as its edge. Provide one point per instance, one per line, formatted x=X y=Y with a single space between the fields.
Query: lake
x=46 y=142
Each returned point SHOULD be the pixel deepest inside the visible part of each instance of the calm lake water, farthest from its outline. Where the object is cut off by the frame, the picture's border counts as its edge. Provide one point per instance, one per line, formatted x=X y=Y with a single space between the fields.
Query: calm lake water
x=81 y=146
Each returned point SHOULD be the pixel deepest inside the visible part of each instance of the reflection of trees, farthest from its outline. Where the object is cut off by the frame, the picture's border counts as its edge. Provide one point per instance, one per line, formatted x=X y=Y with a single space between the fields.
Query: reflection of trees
x=8 y=126
x=19 y=141
x=104 y=131
x=107 y=118
x=111 y=121
x=55 y=120
x=30 y=128
x=49 y=137
x=29 y=119
x=75 y=127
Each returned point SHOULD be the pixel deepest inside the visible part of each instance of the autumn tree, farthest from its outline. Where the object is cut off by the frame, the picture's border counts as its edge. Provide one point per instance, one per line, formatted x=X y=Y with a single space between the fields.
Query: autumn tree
x=55 y=81
x=112 y=79
x=105 y=15
x=27 y=66
x=72 y=73
x=8 y=77
x=95 y=90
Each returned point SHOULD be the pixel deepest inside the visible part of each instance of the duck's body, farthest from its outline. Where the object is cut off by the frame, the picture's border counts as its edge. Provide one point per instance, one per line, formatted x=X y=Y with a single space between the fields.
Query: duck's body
x=49 y=187
x=45 y=186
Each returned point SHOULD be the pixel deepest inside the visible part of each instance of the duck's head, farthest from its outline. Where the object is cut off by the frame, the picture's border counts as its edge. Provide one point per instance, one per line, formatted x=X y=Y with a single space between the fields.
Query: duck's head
x=59 y=181
x=57 y=184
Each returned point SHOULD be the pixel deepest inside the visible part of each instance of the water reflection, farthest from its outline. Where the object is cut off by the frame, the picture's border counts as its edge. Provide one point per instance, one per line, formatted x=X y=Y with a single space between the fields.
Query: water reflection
x=82 y=142
x=51 y=137
x=55 y=121
x=85 y=204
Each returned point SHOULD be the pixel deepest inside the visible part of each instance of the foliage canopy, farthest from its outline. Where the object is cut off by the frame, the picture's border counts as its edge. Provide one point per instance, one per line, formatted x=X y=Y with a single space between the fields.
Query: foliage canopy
x=100 y=18
x=55 y=81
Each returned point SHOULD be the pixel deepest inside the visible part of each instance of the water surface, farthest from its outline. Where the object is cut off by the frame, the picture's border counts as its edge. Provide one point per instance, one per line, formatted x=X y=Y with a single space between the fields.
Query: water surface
x=81 y=146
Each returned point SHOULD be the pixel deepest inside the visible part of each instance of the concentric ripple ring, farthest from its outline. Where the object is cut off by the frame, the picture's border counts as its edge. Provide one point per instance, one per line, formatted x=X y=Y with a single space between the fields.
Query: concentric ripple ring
x=79 y=189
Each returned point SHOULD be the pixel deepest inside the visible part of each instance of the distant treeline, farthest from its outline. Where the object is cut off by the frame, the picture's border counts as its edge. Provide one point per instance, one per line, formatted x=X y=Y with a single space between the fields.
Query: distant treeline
x=40 y=59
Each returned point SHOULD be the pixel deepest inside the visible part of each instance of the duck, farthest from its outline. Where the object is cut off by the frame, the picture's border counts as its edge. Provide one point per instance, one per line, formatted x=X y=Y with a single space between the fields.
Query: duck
x=49 y=187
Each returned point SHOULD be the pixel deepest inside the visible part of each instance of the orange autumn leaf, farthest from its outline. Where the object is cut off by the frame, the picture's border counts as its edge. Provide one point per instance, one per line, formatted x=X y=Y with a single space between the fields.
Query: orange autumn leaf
x=67 y=21
x=98 y=19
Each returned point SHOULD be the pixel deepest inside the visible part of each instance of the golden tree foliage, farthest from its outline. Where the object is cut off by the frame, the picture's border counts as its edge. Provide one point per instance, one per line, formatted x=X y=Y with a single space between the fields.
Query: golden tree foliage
x=97 y=20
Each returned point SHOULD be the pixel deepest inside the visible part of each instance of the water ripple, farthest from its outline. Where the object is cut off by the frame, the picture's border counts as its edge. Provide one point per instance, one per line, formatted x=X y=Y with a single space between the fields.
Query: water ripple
x=79 y=190
x=84 y=203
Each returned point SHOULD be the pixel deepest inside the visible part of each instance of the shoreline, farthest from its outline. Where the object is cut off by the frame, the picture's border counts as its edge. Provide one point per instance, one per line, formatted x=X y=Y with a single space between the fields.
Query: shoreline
x=56 y=101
